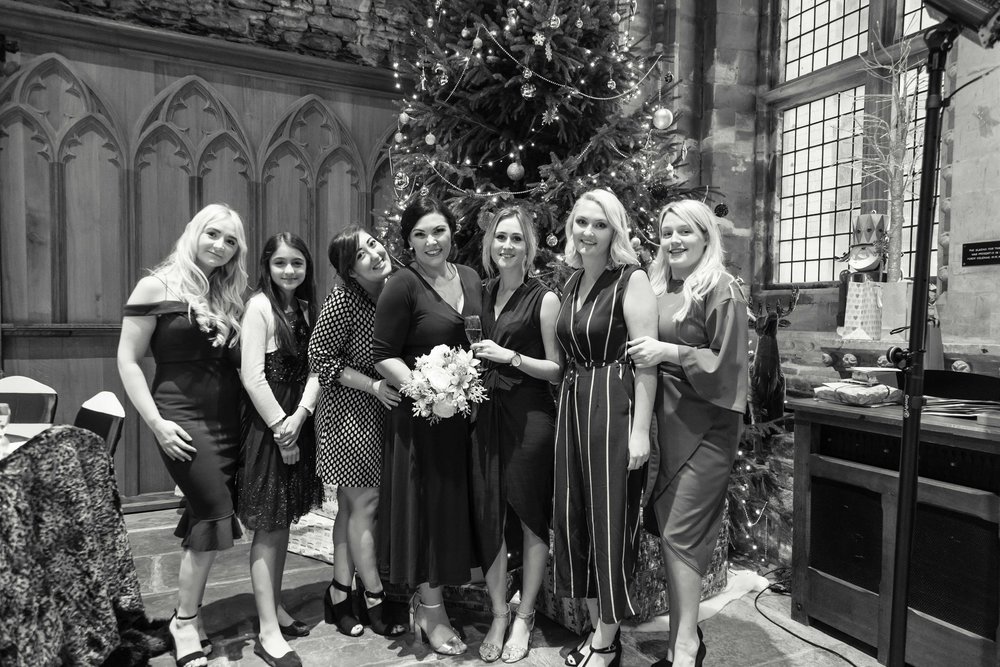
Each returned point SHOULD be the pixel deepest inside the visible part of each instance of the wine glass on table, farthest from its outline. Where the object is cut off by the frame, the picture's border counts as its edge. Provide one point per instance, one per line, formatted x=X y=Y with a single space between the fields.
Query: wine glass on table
x=473 y=329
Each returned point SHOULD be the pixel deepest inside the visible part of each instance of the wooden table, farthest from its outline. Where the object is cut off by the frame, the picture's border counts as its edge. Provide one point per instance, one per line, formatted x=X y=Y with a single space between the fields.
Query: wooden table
x=845 y=500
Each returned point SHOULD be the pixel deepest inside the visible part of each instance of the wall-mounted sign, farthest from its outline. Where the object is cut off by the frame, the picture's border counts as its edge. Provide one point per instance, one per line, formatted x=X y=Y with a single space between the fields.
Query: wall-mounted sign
x=980 y=254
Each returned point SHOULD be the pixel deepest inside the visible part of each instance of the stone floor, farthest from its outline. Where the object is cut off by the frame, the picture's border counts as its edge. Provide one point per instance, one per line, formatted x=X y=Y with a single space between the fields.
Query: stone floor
x=737 y=636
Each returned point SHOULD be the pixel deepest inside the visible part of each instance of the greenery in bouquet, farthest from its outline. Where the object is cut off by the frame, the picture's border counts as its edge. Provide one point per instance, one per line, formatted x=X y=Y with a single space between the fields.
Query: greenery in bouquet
x=445 y=382
x=533 y=102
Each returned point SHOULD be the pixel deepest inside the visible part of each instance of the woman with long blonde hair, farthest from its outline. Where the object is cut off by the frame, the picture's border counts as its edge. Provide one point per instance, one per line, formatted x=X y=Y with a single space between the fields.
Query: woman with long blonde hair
x=188 y=312
x=701 y=352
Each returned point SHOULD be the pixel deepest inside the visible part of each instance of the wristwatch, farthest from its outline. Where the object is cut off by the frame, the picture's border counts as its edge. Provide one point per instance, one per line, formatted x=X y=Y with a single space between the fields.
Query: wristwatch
x=515 y=361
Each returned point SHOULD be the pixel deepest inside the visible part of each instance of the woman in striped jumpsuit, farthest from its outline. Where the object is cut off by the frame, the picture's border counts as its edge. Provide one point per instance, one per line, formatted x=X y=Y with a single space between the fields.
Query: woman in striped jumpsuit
x=604 y=414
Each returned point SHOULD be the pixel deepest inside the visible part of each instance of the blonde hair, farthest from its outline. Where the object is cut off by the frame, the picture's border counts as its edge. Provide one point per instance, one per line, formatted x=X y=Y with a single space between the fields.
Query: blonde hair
x=709 y=270
x=621 y=251
x=215 y=300
x=527 y=230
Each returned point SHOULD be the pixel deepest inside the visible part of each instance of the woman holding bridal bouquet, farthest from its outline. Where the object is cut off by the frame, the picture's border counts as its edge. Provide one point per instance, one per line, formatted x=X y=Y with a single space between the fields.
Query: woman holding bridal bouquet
x=602 y=432
x=425 y=524
x=515 y=431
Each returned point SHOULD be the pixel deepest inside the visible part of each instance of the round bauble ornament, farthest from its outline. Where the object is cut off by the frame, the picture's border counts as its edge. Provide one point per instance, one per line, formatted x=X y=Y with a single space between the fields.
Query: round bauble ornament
x=404 y=118
x=611 y=84
x=401 y=180
x=552 y=240
x=442 y=79
x=430 y=22
x=527 y=73
x=616 y=17
x=721 y=210
x=663 y=118
x=635 y=242
x=515 y=171
x=424 y=191
x=477 y=43
x=466 y=33
x=543 y=187
x=528 y=91
x=430 y=139
x=399 y=137
x=511 y=13
x=579 y=23
x=555 y=22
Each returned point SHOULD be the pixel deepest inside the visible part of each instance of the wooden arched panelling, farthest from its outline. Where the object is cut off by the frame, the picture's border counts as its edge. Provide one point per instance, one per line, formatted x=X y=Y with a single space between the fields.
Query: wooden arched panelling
x=191 y=151
x=383 y=196
x=311 y=178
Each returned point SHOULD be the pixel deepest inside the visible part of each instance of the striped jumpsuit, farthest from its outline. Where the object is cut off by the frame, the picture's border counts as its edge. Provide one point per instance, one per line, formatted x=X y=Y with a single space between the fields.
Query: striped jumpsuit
x=596 y=511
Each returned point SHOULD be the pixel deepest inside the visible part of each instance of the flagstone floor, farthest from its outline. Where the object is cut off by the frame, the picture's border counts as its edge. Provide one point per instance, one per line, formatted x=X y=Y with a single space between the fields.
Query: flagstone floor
x=737 y=636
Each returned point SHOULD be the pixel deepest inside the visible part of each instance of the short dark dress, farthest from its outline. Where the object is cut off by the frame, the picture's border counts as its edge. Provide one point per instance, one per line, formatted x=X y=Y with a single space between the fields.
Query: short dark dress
x=699 y=413
x=515 y=431
x=273 y=495
x=198 y=386
x=425 y=521
x=597 y=499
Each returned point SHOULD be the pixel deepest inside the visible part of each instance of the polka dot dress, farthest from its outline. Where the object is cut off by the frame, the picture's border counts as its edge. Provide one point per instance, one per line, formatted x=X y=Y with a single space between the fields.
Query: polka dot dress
x=349 y=422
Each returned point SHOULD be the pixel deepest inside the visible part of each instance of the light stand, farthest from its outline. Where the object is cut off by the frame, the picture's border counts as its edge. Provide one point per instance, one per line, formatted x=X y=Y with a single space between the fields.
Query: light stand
x=979 y=19
x=939 y=41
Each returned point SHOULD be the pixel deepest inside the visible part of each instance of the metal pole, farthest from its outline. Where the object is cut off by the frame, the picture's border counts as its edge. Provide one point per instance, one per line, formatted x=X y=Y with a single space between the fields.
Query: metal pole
x=939 y=41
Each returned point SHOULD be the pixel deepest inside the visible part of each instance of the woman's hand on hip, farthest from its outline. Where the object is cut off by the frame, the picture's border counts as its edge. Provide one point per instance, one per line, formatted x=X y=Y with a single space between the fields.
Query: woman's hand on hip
x=490 y=351
x=645 y=351
x=173 y=440
x=638 y=450
x=385 y=393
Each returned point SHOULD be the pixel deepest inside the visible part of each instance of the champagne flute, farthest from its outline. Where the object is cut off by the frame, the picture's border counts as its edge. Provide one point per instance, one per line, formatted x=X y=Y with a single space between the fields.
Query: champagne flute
x=473 y=328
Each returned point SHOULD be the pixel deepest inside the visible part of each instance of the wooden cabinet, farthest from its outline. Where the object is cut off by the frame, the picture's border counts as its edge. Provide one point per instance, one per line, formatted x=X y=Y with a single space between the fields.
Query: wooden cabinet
x=845 y=501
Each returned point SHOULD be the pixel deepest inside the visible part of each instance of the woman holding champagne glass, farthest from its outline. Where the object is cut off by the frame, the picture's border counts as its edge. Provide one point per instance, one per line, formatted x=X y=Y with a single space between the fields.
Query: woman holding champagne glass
x=425 y=524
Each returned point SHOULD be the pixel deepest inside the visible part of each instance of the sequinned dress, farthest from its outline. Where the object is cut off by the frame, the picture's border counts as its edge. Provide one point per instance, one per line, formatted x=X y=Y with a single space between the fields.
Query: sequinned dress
x=197 y=386
x=597 y=499
x=272 y=494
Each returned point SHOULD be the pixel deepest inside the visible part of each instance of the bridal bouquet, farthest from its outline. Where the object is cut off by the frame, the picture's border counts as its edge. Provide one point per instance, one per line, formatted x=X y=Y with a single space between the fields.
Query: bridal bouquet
x=445 y=381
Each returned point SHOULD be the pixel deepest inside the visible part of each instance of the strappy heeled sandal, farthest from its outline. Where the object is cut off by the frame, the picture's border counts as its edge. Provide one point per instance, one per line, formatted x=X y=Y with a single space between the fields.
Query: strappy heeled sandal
x=488 y=651
x=516 y=652
x=373 y=616
x=452 y=646
x=187 y=659
x=614 y=648
x=342 y=613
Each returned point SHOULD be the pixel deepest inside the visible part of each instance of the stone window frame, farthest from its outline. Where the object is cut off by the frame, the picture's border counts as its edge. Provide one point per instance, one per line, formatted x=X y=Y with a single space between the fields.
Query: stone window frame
x=885 y=18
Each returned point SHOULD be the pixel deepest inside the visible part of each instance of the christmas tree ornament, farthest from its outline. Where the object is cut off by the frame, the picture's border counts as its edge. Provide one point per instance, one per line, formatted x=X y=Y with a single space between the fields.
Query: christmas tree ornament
x=442 y=74
x=663 y=118
x=528 y=91
x=538 y=39
x=515 y=171
x=466 y=33
x=555 y=22
x=579 y=23
x=424 y=191
x=430 y=23
x=401 y=180
x=399 y=137
x=722 y=211
x=511 y=13
x=548 y=51
x=611 y=84
x=526 y=73
x=552 y=240
x=477 y=43
x=404 y=118
x=616 y=17
x=430 y=139
x=636 y=243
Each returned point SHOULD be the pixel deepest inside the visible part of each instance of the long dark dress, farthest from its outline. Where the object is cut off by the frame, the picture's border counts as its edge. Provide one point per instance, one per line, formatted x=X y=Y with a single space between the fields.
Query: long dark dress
x=198 y=386
x=272 y=494
x=515 y=431
x=699 y=413
x=425 y=524
x=597 y=499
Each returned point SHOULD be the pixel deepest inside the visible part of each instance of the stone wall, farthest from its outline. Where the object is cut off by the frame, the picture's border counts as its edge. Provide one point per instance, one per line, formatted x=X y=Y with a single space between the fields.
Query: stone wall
x=359 y=31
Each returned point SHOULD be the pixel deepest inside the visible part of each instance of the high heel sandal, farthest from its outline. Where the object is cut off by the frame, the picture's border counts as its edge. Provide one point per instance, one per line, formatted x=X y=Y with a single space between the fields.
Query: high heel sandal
x=290 y=659
x=452 y=646
x=488 y=651
x=614 y=647
x=515 y=652
x=699 y=657
x=183 y=661
x=342 y=613
x=373 y=616
x=575 y=656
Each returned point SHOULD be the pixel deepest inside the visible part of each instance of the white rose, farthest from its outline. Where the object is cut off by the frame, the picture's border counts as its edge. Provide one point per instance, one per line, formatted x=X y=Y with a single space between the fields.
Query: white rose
x=438 y=378
x=444 y=409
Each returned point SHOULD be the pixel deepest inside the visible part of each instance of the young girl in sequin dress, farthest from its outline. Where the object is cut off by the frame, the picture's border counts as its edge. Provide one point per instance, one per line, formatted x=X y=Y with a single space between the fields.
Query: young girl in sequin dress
x=277 y=482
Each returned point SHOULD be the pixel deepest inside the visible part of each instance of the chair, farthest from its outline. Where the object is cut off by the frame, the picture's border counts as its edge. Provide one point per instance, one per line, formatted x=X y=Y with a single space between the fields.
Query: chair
x=104 y=415
x=31 y=402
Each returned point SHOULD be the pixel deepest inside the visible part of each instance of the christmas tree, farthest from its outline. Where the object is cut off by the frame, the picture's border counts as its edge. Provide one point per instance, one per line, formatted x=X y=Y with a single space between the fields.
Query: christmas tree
x=532 y=102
